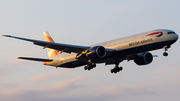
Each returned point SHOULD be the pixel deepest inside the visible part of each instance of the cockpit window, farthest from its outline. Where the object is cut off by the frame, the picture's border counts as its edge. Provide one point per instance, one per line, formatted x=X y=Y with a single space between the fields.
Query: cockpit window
x=171 y=33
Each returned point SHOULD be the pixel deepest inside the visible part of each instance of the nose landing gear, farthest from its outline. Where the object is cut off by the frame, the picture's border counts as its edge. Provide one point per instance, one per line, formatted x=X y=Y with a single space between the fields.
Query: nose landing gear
x=165 y=54
x=166 y=48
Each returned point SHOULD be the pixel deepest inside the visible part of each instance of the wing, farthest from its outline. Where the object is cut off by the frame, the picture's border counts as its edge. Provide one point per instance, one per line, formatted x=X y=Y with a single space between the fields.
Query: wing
x=57 y=46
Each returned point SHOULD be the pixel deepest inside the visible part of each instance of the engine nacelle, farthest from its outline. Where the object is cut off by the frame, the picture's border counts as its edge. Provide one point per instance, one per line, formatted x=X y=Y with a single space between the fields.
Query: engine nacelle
x=96 y=52
x=143 y=58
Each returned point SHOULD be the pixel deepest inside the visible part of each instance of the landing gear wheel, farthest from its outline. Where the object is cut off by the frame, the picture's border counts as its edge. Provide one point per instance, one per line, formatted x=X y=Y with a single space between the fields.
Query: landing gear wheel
x=166 y=48
x=90 y=66
x=112 y=70
x=93 y=65
x=165 y=54
x=116 y=69
x=85 y=68
x=120 y=68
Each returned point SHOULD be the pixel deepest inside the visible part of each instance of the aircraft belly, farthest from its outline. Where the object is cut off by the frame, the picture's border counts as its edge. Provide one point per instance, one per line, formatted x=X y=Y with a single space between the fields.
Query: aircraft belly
x=72 y=64
x=68 y=61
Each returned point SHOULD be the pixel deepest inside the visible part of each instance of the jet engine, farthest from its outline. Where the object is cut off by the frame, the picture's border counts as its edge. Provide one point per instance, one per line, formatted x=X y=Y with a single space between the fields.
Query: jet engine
x=96 y=52
x=143 y=58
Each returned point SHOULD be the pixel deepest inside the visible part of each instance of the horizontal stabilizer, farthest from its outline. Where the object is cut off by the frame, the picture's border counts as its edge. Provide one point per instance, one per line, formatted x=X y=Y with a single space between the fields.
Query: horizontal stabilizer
x=35 y=59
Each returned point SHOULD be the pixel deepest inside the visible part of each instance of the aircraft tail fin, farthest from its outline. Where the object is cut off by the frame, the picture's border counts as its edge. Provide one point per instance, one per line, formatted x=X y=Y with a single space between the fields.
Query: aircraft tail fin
x=51 y=52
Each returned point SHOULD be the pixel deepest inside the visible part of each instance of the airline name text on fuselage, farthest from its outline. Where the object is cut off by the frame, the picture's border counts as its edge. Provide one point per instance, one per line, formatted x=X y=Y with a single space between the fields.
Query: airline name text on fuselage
x=140 y=42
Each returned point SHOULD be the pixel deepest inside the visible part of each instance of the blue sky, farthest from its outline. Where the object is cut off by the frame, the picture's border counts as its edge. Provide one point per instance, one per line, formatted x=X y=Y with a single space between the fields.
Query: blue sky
x=86 y=22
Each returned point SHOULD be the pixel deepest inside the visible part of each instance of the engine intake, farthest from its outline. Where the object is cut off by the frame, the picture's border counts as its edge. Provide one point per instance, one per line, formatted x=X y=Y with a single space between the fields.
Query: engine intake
x=143 y=58
x=96 y=52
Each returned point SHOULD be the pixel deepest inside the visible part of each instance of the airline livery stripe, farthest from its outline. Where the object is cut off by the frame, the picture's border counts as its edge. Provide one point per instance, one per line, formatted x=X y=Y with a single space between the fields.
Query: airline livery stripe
x=55 y=52
x=155 y=33
x=48 y=39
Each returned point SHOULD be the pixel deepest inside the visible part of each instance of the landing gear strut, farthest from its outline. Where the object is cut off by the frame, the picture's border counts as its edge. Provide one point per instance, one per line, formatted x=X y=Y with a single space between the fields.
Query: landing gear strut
x=90 y=66
x=166 y=48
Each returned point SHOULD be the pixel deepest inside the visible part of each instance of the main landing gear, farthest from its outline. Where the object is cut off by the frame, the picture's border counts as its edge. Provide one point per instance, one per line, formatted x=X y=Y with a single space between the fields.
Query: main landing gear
x=93 y=65
x=116 y=69
x=90 y=66
x=166 y=48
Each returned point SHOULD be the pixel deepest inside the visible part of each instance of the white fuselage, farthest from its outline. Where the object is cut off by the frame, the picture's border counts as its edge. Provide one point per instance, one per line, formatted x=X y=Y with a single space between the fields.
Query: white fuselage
x=147 y=41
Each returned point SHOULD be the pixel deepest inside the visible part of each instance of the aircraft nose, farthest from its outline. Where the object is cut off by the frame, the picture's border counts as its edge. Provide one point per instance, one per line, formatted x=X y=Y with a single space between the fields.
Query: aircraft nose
x=176 y=37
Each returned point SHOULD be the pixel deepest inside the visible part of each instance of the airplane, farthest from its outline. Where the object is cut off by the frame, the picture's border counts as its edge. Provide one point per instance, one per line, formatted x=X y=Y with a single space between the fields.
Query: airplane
x=135 y=47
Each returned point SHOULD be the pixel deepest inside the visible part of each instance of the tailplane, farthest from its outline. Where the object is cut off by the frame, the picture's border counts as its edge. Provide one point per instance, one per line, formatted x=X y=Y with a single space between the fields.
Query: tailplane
x=51 y=52
x=35 y=59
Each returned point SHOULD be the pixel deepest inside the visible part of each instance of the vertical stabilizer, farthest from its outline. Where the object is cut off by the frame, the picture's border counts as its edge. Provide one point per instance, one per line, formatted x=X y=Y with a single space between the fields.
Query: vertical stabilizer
x=51 y=52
